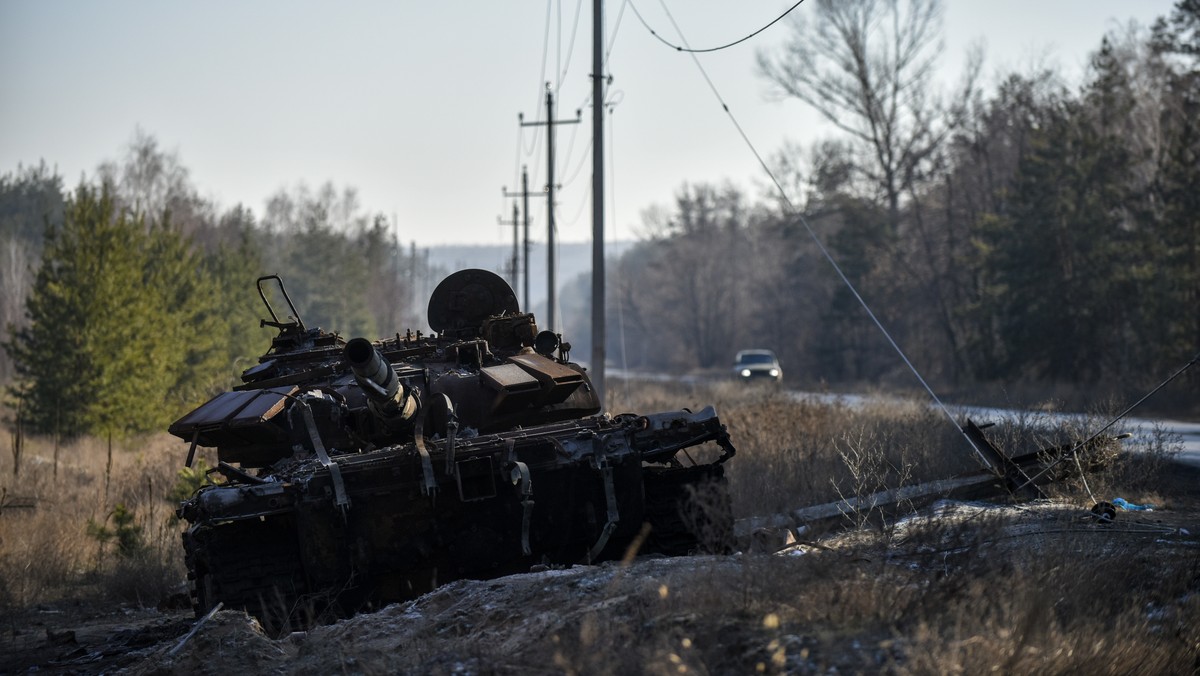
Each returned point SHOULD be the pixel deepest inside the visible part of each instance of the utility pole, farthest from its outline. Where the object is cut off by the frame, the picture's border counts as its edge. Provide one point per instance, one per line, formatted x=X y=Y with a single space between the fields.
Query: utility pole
x=524 y=195
x=549 y=124
x=598 y=82
x=516 y=255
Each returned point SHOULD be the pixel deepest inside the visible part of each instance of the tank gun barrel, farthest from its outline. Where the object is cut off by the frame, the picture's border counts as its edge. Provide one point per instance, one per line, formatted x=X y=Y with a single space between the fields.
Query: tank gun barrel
x=386 y=396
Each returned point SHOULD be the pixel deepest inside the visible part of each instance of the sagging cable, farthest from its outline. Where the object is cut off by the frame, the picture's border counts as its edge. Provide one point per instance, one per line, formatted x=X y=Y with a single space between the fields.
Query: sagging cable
x=825 y=252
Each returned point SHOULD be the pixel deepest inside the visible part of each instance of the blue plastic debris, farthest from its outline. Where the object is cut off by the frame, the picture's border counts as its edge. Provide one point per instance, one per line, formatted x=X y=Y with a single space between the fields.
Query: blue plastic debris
x=1131 y=507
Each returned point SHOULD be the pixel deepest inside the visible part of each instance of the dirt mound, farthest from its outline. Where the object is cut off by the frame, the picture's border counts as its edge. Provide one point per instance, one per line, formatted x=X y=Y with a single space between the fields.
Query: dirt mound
x=518 y=624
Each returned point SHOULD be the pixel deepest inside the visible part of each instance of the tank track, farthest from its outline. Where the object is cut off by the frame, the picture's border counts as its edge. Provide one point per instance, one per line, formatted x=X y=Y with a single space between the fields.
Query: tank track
x=251 y=570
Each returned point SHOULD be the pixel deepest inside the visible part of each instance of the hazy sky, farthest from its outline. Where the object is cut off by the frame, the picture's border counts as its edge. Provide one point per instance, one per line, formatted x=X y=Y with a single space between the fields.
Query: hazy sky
x=415 y=103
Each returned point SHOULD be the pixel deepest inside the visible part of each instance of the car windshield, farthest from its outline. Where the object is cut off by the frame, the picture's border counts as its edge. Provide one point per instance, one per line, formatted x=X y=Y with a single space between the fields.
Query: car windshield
x=756 y=359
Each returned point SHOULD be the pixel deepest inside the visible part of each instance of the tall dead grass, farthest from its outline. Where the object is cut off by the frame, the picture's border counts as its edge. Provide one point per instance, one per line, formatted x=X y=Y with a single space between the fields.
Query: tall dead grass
x=800 y=451
x=61 y=533
x=795 y=451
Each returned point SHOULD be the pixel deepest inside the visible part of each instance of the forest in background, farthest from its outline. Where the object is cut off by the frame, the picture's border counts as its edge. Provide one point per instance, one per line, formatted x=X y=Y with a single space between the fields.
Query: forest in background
x=132 y=291
x=1044 y=233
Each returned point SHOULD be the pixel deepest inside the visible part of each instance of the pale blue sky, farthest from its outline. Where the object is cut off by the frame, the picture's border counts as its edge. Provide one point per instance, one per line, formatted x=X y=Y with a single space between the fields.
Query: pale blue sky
x=415 y=103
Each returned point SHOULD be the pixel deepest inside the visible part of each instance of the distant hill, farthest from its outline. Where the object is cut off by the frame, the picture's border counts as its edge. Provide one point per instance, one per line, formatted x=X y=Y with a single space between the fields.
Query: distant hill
x=573 y=260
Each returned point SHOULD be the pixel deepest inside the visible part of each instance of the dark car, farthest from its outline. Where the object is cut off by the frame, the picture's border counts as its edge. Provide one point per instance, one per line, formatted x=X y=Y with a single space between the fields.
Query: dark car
x=757 y=365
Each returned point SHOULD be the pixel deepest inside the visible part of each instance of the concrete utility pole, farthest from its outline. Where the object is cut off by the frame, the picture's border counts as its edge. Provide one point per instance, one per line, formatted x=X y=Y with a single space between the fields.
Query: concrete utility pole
x=514 y=265
x=598 y=82
x=549 y=124
x=524 y=195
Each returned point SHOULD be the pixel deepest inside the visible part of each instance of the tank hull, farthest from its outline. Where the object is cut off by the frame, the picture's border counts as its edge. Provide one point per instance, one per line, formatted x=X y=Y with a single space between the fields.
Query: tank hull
x=572 y=493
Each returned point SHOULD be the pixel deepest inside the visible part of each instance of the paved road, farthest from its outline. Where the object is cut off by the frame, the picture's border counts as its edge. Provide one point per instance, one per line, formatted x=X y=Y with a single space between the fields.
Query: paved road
x=1188 y=433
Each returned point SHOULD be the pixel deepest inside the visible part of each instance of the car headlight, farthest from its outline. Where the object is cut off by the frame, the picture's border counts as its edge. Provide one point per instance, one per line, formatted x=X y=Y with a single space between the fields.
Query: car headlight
x=745 y=373
x=774 y=373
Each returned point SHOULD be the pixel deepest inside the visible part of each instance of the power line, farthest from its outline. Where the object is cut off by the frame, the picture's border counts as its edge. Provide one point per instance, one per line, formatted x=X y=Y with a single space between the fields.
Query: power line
x=568 y=224
x=549 y=123
x=578 y=166
x=613 y=38
x=535 y=138
x=567 y=157
x=684 y=48
x=545 y=50
x=612 y=200
x=607 y=54
x=817 y=240
x=517 y=159
x=587 y=100
x=1074 y=452
x=570 y=46
x=531 y=150
x=557 y=43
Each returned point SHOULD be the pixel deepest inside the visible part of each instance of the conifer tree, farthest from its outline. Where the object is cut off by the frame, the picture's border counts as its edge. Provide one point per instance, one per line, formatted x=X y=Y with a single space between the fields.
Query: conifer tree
x=80 y=360
x=126 y=324
x=1177 y=42
x=233 y=268
x=1060 y=258
x=185 y=346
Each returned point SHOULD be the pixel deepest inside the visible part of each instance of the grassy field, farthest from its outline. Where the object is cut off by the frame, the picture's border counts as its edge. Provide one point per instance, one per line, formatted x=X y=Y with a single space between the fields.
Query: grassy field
x=95 y=524
x=1036 y=588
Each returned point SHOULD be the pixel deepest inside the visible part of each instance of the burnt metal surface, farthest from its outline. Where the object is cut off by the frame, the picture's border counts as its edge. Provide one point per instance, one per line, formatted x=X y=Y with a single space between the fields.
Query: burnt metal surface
x=360 y=473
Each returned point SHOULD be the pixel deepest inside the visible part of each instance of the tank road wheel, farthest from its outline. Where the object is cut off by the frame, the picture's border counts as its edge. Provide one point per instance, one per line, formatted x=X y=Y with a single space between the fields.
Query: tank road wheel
x=252 y=569
x=202 y=593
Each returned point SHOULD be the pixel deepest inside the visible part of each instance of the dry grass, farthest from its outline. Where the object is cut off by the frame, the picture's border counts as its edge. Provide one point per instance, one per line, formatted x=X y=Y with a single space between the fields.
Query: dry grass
x=52 y=524
x=794 y=452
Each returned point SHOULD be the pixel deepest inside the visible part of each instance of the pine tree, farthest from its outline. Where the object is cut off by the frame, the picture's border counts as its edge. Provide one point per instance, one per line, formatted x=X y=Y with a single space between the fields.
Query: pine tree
x=234 y=267
x=1177 y=42
x=79 y=358
x=185 y=348
x=120 y=336
x=1059 y=261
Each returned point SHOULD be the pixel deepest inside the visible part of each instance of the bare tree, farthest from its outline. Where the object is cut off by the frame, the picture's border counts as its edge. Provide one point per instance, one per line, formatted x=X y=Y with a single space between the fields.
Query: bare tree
x=867 y=66
x=689 y=292
x=16 y=278
x=155 y=183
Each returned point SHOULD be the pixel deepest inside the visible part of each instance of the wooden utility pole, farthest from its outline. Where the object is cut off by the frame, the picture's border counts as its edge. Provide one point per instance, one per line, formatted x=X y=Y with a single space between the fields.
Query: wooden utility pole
x=598 y=82
x=514 y=264
x=549 y=124
x=524 y=195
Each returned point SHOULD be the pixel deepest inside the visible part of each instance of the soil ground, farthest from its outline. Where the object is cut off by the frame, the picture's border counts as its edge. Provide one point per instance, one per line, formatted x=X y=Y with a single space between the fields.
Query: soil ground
x=912 y=598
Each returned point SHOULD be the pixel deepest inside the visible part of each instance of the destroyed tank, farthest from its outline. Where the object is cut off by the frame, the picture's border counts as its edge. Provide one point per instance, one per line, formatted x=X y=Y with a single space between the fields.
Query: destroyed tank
x=357 y=473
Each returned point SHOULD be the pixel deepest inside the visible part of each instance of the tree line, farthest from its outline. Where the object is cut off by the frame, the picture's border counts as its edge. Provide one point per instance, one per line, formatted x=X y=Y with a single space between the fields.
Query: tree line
x=1042 y=232
x=131 y=298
